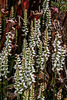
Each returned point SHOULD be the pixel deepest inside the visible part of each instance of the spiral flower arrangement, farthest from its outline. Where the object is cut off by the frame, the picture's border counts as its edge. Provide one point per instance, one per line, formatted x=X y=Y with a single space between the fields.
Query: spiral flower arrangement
x=25 y=29
x=31 y=69
x=4 y=56
x=24 y=76
x=47 y=15
x=32 y=40
x=8 y=43
x=39 y=57
x=58 y=56
x=59 y=94
x=3 y=64
x=45 y=6
x=29 y=77
x=41 y=60
x=18 y=76
x=46 y=52
x=48 y=22
x=37 y=32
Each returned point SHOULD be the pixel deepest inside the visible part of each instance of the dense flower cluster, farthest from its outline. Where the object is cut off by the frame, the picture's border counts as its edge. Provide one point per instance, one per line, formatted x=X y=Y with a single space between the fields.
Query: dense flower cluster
x=47 y=15
x=58 y=56
x=32 y=40
x=41 y=93
x=37 y=32
x=59 y=94
x=39 y=57
x=48 y=22
x=3 y=64
x=29 y=69
x=33 y=66
x=18 y=76
x=25 y=29
x=46 y=52
x=8 y=43
x=24 y=70
x=35 y=41
x=38 y=44
x=4 y=56
x=45 y=6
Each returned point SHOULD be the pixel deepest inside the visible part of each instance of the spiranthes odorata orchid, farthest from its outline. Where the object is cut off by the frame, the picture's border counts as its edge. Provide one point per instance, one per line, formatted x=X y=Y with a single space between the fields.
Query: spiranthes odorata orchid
x=46 y=52
x=40 y=58
x=12 y=12
x=4 y=56
x=62 y=58
x=29 y=77
x=25 y=29
x=32 y=92
x=3 y=70
x=24 y=76
x=24 y=48
x=4 y=64
x=48 y=22
x=59 y=94
x=41 y=93
x=18 y=76
x=27 y=56
x=37 y=32
x=47 y=15
x=45 y=6
x=4 y=60
x=8 y=43
x=32 y=40
x=58 y=56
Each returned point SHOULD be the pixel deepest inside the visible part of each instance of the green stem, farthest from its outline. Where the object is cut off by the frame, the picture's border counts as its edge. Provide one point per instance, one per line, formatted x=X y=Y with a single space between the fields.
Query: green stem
x=3 y=86
x=44 y=73
x=18 y=98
